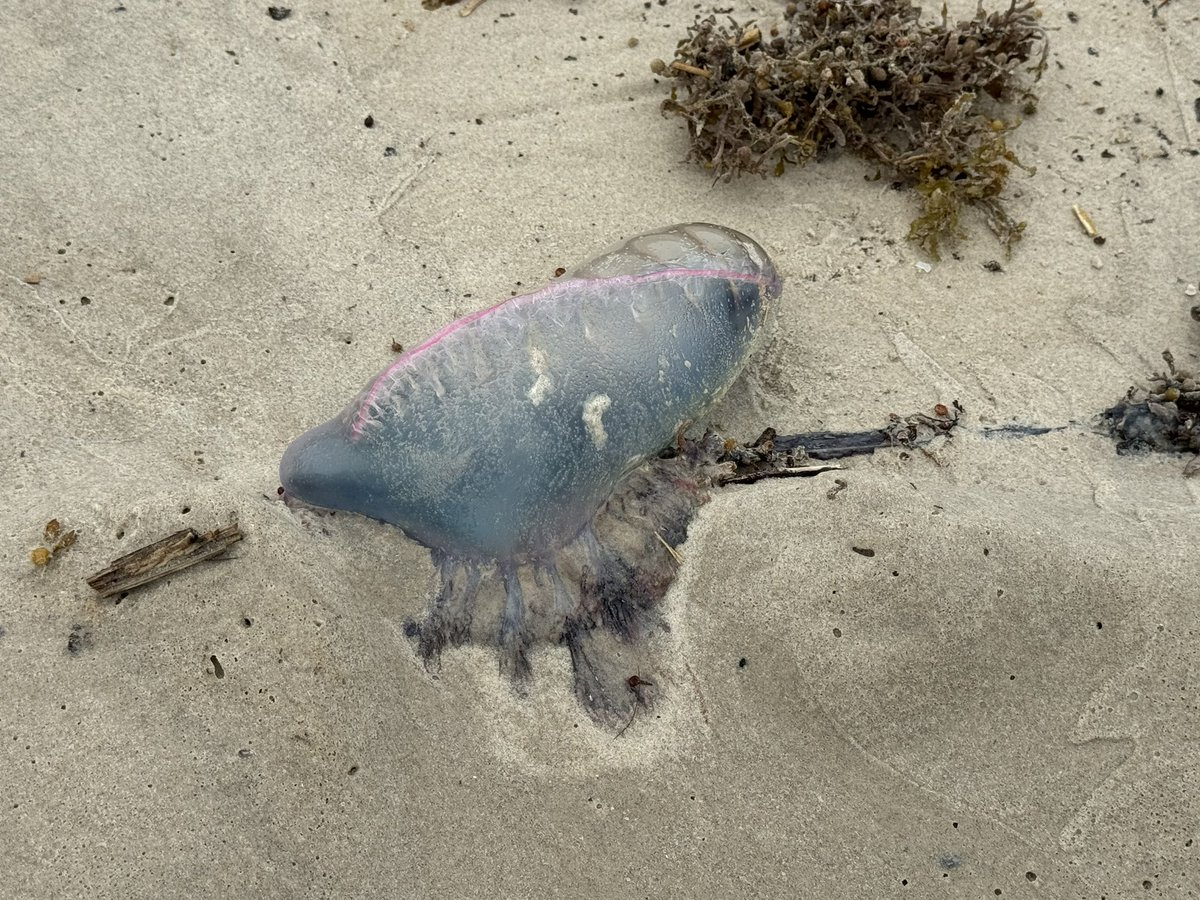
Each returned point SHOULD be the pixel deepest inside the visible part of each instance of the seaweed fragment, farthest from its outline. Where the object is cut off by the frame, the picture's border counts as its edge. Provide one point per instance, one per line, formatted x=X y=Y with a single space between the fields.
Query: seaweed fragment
x=1164 y=418
x=923 y=101
x=55 y=541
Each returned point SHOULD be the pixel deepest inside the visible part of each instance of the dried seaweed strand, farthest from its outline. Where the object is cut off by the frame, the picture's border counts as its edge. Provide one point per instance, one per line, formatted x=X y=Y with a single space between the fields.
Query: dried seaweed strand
x=920 y=100
x=1164 y=417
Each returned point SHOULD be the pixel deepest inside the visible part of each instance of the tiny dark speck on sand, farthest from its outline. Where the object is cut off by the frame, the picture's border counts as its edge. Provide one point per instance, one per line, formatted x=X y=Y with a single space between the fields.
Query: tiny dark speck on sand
x=78 y=640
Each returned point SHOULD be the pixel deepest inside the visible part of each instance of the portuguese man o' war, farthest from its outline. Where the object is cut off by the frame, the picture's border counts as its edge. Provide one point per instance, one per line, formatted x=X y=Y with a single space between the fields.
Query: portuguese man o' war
x=539 y=445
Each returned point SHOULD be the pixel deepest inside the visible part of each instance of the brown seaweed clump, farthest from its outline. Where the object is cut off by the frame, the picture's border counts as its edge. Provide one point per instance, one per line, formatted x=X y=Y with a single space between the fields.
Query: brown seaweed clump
x=1165 y=418
x=923 y=101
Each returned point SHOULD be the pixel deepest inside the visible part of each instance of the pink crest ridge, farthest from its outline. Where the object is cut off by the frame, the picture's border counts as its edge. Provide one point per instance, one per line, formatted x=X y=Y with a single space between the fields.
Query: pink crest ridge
x=388 y=375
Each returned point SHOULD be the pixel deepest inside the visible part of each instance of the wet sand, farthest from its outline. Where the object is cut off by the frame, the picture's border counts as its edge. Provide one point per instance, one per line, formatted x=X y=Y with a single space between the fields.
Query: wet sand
x=1000 y=700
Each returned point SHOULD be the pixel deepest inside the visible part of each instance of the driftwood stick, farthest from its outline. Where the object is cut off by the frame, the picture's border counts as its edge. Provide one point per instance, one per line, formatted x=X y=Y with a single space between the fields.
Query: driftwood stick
x=162 y=558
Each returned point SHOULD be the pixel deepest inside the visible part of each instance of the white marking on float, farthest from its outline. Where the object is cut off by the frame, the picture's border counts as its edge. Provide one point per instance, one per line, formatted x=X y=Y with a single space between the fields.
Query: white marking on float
x=543 y=385
x=594 y=409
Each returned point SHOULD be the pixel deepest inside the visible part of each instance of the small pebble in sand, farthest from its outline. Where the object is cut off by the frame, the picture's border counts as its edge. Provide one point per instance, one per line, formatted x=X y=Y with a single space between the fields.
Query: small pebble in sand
x=1190 y=290
x=1097 y=262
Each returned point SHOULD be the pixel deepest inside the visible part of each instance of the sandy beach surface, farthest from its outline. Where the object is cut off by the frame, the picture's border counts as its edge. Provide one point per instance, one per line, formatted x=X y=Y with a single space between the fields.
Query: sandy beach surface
x=205 y=250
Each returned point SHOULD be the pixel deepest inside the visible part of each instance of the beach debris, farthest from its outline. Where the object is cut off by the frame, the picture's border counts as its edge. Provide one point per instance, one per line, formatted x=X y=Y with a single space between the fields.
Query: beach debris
x=279 y=13
x=748 y=463
x=78 y=640
x=839 y=485
x=55 y=540
x=1164 y=418
x=914 y=431
x=1089 y=227
x=172 y=554
x=927 y=103
x=469 y=7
